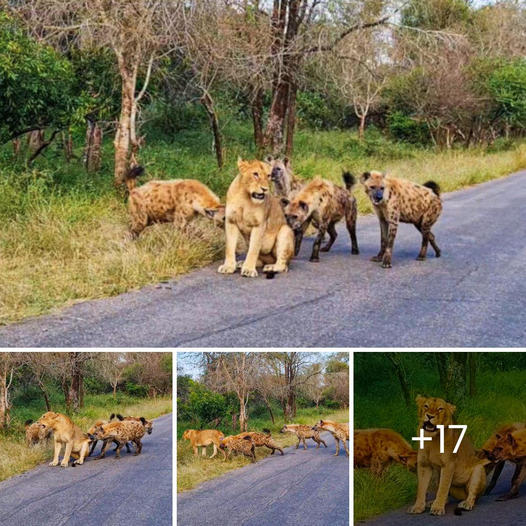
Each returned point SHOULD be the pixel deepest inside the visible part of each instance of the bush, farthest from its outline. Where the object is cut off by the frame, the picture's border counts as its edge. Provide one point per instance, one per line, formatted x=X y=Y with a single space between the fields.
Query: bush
x=206 y=405
x=138 y=390
x=404 y=128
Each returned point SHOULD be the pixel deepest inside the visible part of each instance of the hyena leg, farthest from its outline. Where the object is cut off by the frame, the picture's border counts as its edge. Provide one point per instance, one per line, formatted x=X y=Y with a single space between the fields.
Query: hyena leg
x=317 y=440
x=518 y=477
x=118 y=450
x=427 y=236
x=315 y=256
x=350 y=221
x=345 y=447
x=128 y=447
x=496 y=474
x=105 y=447
x=383 y=241
x=332 y=238
x=391 y=235
x=304 y=443
x=299 y=442
x=425 y=240
x=283 y=250
x=138 y=445
x=93 y=444
x=138 y=217
x=337 y=446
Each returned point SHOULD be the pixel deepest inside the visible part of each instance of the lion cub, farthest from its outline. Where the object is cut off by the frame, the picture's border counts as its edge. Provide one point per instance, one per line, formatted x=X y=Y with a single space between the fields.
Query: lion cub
x=324 y=204
x=377 y=448
x=66 y=433
x=461 y=474
x=396 y=200
x=512 y=446
x=176 y=201
x=255 y=214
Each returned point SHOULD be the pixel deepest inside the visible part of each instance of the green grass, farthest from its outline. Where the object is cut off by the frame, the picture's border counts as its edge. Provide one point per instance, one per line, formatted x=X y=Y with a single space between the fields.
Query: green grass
x=64 y=235
x=16 y=457
x=499 y=400
x=192 y=471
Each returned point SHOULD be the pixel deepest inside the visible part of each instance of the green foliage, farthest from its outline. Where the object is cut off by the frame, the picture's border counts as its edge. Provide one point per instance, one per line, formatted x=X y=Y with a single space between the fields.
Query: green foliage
x=36 y=83
x=507 y=85
x=134 y=389
x=436 y=14
x=404 y=128
x=316 y=111
x=205 y=404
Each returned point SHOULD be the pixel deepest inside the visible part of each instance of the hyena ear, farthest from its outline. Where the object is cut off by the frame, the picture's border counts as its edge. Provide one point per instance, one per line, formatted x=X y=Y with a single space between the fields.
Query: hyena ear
x=364 y=177
x=120 y=417
x=112 y=416
x=286 y=162
x=143 y=420
x=304 y=206
x=268 y=159
x=284 y=202
x=91 y=437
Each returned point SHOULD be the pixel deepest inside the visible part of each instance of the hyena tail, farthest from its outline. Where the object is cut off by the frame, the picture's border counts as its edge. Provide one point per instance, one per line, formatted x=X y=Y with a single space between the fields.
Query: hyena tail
x=266 y=431
x=433 y=186
x=348 y=179
x=131 y=177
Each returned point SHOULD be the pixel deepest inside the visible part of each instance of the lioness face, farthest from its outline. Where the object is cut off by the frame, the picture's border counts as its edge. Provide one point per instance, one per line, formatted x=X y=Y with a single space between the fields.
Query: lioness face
x=187 y=435
x=255 y=179
x=375 y=187
x=433 y=412
x=296 y=213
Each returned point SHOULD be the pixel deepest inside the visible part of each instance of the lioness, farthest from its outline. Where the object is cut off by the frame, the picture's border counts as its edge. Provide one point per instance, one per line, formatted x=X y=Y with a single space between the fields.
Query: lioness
x=377 y=448
x=462 y=474
x=258 y=216
x=204 y=438
x=65 y=432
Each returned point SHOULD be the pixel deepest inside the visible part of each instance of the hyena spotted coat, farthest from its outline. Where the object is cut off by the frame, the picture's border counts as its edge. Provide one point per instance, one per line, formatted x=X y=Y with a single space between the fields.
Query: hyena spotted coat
x=323 y=204
x=338 y=431
x=399 y=200
x=237 y=444
x=262 y=439
x=304 y=432
x=176 y=201
x=120 y=432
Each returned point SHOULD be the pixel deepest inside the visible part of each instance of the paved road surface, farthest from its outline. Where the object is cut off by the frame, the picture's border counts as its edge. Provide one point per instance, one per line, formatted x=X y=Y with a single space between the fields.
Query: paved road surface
x=132 y=491
x=487 y=511
x=475 y=295
x=301 y=487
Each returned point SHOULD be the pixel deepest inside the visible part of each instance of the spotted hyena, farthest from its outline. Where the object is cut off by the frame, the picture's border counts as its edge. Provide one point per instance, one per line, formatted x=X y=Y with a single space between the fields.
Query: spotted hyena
x=262 y=439
x=323 y=204
x=120 y=432
x=396 y=200
x=286 y=184
x=338 y=431
x=303 y=432
x=176 y=201
x=35 y=433
x=237 y=444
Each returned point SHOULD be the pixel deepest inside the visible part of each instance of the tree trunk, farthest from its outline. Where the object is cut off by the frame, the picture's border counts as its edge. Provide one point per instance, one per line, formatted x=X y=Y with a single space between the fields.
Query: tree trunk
x=257 y=120
x=234 y=420
x=123 y=136
x=270 y=411
x=5 y=417
x=35 y=139
x=396 y=361
x=291 y=120
x=361 y=129
x=242 y=415
x=16 y=147
x=115 y=390
x=276 y=119
x=92 y=151
x=208 y=103
x=67 y=143
x=45 y=395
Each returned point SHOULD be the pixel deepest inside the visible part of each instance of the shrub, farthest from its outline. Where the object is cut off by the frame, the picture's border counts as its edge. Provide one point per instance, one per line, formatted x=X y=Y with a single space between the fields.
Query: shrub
x=404 y=128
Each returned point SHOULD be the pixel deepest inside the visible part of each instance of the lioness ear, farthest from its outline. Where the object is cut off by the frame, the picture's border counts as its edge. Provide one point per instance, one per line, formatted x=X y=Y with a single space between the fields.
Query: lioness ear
x=240 y=162
x=452 y=408
x=420 y=400
x=364 y=177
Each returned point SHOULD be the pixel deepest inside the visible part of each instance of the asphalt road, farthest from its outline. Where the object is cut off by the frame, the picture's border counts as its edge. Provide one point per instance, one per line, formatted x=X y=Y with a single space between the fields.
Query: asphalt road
x=301 y=487
x=135 y=490
x=487 y=511
x=474 y=295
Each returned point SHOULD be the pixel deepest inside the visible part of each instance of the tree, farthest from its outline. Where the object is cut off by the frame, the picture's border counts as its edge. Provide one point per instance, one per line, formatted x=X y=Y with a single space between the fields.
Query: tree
x=111 y=366
x=9 y=364
x=313 y=386
x=138 y=33
x=40 y=364
x=36 y=83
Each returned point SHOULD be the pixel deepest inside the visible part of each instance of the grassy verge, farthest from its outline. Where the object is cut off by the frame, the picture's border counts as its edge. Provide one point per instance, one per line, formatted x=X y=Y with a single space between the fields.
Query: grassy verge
x=498 y=401
x=16 y=457
x=64 y=233
x=192 y=471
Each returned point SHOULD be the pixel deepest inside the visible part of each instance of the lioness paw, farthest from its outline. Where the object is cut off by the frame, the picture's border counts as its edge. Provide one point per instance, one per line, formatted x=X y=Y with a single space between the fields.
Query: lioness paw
x=53 y=463
x=437 y=509
x=466 y=505
x=275 y=268
x=64 y=464
x=417 y=508
x=249 y=272
x=226 y=269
